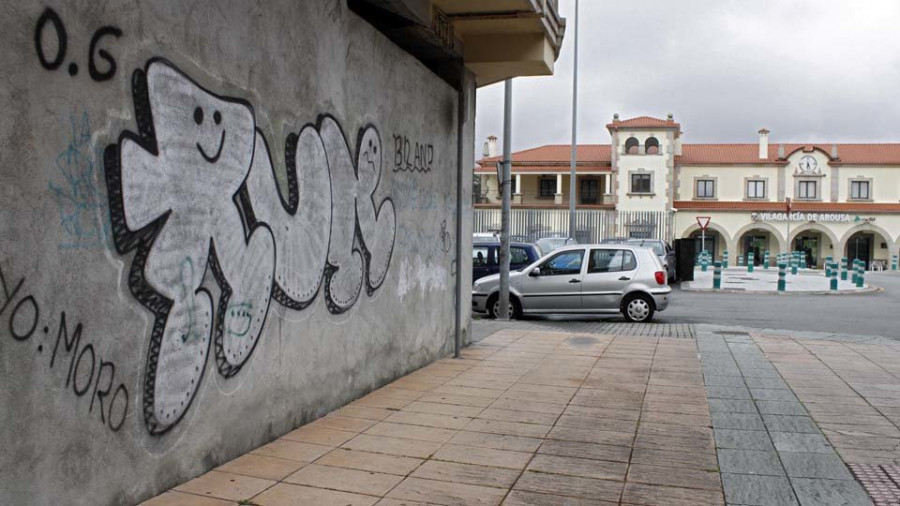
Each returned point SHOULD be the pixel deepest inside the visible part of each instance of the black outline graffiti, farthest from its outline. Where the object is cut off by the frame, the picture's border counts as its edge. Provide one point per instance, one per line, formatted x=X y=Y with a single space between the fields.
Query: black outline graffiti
x=96 y=75
x=141 y=241
x=61 y=37
x=51 y=16
x=423 y=161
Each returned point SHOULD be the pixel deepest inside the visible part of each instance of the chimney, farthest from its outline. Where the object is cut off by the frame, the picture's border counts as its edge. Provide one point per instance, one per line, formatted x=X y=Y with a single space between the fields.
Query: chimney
x=763 y=144
x=491 y=146
x=781 y=151
x=834 y=153
x=670 y=118
x=616 y=118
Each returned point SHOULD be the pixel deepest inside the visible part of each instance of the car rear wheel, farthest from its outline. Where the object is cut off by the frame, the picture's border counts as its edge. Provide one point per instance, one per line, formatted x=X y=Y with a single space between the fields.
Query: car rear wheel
x=638 y=308
x=515 y=309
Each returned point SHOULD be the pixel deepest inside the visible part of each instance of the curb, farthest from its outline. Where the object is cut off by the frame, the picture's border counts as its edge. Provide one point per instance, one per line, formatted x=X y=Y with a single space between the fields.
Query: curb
x=865 y=291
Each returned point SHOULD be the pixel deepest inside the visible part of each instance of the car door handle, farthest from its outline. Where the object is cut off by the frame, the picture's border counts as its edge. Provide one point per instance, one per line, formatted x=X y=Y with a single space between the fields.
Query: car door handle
x=574 y=280
x=624 y=278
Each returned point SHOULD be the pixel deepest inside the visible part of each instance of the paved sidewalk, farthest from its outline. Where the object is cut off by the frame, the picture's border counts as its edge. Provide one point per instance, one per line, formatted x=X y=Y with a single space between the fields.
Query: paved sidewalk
x=527 y=417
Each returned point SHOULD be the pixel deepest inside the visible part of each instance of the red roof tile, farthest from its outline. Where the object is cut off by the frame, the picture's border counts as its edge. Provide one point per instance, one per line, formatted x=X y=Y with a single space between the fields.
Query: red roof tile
x=643 y=122
x=563 y=169
x=558 y=154
x=843 y=207
x=597 y=156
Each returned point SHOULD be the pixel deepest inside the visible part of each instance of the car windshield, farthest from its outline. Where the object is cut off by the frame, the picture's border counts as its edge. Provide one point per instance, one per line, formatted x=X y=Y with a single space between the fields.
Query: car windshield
x=656 y=246
x=549 y=244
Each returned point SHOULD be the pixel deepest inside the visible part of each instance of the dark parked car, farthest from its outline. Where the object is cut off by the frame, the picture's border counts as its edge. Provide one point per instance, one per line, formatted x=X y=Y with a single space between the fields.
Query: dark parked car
x=486 y=257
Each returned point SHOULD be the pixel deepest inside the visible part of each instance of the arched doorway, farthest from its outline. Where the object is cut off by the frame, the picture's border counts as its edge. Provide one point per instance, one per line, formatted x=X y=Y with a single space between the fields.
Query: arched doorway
x=715 y=239
x=756 y=239
x=817 y=242
x=870 y=244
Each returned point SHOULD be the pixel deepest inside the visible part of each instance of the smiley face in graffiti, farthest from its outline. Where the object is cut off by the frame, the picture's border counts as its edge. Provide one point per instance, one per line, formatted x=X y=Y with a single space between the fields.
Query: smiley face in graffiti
x=172 y=188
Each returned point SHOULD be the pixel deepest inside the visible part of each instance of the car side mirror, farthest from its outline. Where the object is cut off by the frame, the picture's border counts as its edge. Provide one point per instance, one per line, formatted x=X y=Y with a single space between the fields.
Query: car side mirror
x=535 y=272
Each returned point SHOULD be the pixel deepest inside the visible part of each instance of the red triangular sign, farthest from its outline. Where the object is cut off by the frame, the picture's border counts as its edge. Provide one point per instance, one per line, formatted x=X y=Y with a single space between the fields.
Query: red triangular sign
x=703 y=221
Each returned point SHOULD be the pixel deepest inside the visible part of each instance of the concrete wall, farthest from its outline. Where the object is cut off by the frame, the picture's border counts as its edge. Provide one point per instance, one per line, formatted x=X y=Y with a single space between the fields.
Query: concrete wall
x=218 y=221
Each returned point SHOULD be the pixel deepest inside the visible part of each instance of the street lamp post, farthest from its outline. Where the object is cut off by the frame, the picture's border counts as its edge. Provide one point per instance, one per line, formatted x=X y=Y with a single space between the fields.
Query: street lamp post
x=574 y=132
x=505 y=205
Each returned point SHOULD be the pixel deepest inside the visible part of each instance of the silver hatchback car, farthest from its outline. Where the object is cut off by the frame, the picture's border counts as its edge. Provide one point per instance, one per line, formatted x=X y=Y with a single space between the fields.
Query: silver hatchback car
x=584 y=278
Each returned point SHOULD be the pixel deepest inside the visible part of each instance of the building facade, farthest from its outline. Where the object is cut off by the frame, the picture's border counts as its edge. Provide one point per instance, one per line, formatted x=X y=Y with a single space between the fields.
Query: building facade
x=844 y=199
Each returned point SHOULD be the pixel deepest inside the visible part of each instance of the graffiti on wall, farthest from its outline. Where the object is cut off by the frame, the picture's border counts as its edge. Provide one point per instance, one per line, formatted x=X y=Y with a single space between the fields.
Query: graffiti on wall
x=86 y=372
x=53 y=55
x=412 y=156
x=193 y=191
x=79 y=200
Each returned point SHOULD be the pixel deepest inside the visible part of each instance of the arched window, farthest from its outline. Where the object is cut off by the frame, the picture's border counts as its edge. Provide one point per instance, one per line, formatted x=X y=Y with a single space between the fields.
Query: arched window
x=631 y=146
x=651 y=146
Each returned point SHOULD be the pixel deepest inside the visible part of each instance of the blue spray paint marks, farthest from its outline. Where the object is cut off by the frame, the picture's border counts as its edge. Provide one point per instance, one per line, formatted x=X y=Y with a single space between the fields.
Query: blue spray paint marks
x=80 y=200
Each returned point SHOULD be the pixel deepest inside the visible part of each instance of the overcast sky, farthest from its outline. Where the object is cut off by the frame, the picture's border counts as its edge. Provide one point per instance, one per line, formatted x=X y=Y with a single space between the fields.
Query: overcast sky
x=808 y=70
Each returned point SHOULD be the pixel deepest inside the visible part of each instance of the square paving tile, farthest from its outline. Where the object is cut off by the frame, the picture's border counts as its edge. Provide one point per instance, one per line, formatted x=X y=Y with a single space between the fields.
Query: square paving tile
x=284 y=494
x=233 y=487
x=743 y=439
x=259 y=466
x=442 y=492
x=830 y=492
x=758 y=490
x=790 y=423
x=759 y=462
x=732 y=406
x=640 y=493
x=815 y=465
x=347 y=480
x=556 y=484
x=781 y=407
x=172 y=498
x=799 y=442
x=466 y=473
x=742 y=421
x=572 y=466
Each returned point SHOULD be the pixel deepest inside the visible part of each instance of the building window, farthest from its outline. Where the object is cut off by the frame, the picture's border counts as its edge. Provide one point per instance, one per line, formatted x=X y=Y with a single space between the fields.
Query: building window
x=640 y=183
x=651 y=146
x=859 y=190
x=806 y=190
x=706 y=189
x=756 y=189
x=631 y=146
x=548 y=187
x=590 y=191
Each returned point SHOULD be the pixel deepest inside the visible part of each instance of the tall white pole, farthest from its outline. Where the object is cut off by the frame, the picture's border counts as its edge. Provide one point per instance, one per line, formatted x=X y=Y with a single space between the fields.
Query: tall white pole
x=503 y=313
x=574 y=132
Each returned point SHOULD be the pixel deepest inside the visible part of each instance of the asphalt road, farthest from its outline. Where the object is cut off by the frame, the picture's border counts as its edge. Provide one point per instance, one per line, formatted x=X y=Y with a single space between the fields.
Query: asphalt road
x=870 y=314
x=876 y=314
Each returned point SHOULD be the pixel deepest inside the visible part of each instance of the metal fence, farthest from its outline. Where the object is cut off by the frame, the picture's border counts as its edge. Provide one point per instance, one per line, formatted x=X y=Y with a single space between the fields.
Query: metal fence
x=591 y=225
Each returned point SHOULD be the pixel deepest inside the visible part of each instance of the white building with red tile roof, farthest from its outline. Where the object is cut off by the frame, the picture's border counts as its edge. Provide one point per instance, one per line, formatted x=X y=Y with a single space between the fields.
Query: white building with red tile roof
x=845 y=198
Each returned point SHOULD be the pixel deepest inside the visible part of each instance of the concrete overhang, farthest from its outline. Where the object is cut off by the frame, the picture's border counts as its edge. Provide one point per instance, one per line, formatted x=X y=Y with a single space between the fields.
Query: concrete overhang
x=494 y=39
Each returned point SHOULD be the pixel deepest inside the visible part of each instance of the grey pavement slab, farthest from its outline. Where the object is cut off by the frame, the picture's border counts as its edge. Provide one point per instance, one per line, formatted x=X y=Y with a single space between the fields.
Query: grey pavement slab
x=815 y=465
x=790 y=423
x=799 y=442
x=758 y=490
x=743 y=439
x=735 y=392
x=771 y=383
x=732 y=405
x=759 y=462
x=770 y=394
x=743 y=421
x=715 y=380
x=781 y=407
x=829 y=492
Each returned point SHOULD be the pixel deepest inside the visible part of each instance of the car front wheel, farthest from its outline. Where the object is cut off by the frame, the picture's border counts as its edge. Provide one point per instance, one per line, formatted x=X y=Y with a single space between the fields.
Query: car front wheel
x=638 y=308
x=515 y=310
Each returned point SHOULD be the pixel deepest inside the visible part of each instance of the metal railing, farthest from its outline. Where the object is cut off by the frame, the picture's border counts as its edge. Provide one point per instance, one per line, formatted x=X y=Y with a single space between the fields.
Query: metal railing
x=493 y=197
x=591 y=225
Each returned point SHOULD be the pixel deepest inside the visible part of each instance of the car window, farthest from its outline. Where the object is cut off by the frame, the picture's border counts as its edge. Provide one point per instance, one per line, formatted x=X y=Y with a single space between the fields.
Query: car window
x=568 y=262
x=611 y=260
x=518 y=256
x=479 y=257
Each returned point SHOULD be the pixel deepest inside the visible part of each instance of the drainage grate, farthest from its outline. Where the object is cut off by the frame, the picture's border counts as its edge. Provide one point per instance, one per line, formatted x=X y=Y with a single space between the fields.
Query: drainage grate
x=882 y=482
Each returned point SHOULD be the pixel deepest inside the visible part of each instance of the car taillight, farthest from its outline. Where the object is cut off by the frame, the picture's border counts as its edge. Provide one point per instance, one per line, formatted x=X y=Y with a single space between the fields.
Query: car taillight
x=660 y=277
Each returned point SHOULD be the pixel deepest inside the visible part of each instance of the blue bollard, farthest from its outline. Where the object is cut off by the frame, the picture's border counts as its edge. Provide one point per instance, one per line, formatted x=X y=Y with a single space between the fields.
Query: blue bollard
x=782 y=282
